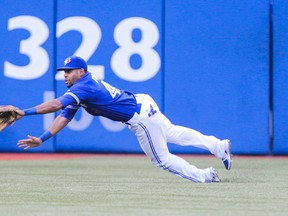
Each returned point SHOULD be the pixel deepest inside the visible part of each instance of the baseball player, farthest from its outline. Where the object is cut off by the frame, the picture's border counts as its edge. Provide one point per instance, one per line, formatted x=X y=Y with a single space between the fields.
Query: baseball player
x=139 y=111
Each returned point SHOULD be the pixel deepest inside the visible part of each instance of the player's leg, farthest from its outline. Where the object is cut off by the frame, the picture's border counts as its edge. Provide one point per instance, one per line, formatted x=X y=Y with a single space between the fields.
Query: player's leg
x=188 y=137
x=151 y=136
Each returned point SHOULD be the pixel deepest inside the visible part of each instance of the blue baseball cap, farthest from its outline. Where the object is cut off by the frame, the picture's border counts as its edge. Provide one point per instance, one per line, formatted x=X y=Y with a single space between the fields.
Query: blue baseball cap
x=73 y=62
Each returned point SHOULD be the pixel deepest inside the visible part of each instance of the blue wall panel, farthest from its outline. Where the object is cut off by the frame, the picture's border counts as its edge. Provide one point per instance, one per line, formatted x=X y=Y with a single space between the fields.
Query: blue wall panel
x=217 y=70
x=280 y=77
x=26 y=65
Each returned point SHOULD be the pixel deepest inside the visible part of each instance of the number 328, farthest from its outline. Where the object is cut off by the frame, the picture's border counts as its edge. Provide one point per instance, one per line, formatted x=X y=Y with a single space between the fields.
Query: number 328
x=91 y=38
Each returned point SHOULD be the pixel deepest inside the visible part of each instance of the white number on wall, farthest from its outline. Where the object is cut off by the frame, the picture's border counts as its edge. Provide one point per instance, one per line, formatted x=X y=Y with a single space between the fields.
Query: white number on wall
x=91 y=37
x=120 y=61
x=39 y=59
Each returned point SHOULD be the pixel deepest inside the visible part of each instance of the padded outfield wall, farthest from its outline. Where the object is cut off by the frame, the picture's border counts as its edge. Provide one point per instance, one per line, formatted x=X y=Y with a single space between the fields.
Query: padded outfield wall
x=206 y=63
x=280 y=77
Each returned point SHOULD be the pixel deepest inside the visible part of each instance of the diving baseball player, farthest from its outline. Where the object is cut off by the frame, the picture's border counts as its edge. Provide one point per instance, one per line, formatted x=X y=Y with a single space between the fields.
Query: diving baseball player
x=139 y=111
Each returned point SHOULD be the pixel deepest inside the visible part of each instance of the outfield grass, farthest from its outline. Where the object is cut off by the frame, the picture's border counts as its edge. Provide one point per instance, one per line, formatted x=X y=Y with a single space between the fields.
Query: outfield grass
x=133 y=186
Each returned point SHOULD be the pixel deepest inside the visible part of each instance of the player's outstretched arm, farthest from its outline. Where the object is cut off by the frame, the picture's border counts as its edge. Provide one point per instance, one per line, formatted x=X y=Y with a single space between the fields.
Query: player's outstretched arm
x=58 y=124
x=46 y=107
x=9 y=114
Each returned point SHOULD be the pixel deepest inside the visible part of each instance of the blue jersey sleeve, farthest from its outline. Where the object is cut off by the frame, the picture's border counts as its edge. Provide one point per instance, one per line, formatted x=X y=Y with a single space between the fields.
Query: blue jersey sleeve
x=68 y=99
x=70 y=105
x=69 y=112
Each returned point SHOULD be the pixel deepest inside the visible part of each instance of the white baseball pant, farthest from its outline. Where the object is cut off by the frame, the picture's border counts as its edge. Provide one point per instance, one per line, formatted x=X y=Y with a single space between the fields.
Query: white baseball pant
x=154 y=130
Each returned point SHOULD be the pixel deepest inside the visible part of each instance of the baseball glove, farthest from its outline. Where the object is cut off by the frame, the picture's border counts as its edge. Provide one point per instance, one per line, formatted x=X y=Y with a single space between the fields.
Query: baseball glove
x=8 y=116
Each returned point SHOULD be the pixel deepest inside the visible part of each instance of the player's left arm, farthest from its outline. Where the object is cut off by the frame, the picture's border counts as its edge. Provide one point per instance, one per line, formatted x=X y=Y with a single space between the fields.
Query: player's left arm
x=57 y=125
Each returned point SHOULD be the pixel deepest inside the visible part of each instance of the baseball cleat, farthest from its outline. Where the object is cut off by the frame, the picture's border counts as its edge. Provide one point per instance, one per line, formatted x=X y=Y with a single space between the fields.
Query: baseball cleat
x=214 y=174
x=227 y=159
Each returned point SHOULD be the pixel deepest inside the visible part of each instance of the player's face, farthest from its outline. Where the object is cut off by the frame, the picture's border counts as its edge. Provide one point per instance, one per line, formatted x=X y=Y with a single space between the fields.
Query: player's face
x=71 y=76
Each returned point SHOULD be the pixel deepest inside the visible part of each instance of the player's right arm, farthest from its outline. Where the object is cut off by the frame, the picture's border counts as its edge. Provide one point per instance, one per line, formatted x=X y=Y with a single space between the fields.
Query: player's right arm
x=58 y=124
x=65 y=102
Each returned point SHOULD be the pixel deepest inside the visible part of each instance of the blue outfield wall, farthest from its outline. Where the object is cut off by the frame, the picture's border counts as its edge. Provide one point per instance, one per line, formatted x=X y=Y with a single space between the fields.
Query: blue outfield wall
x=217 y=69
x=280 y=78
x=205 y=63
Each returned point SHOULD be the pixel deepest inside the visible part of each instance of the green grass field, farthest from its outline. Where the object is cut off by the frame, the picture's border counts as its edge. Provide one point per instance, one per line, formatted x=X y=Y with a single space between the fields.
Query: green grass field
x=131 y=185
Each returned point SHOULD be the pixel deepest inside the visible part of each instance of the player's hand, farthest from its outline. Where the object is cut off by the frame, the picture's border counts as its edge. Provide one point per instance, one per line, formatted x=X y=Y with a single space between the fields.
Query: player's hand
x=20 y=113
x=31 y=142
